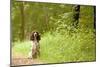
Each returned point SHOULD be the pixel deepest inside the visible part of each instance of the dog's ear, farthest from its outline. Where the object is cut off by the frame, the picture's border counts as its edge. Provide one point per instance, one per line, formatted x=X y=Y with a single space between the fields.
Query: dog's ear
x=38 y=36
x=32 y=36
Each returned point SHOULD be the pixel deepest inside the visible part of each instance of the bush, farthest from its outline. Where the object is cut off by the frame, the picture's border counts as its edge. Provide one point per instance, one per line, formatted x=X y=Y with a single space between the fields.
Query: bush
x=56 y=47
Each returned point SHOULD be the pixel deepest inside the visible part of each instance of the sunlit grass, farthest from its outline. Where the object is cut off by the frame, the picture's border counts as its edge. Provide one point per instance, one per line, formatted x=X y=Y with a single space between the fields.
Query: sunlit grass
x=65 y=48
x=22 y=48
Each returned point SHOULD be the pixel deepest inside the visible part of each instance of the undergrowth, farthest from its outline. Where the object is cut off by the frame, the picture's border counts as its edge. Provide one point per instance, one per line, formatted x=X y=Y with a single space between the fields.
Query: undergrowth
x=58 y=47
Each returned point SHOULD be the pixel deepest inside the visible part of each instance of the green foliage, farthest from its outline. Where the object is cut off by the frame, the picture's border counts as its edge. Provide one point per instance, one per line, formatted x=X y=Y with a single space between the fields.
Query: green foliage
x=65 y=48
x=64 y=22
x=57 y=47
x=86 y=17
x=22 y=48
x=45 y=17
x=36 y=16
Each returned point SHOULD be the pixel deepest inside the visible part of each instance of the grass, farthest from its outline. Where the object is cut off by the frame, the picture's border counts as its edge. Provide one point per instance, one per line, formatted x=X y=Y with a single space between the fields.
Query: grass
x=21 y=48
x=58 y=47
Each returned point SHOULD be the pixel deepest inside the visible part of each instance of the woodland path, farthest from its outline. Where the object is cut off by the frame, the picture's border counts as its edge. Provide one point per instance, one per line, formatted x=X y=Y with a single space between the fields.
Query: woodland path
x=25 y=61
x=22 y=60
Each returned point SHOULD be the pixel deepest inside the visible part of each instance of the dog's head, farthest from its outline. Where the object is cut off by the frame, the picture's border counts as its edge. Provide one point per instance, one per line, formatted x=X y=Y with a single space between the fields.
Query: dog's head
x=35 y=36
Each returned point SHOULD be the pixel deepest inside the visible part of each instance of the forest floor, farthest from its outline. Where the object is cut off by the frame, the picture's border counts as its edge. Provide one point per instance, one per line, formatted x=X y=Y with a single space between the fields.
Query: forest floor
x=21 y=60
x=24 y=61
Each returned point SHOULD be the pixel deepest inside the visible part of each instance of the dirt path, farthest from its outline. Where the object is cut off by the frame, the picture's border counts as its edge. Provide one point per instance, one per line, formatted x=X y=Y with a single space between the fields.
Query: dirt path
x=20 y=59
x=25 y=61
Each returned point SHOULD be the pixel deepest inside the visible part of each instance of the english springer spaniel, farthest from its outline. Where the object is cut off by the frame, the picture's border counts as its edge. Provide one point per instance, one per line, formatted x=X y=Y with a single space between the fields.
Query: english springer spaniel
x=35 y=50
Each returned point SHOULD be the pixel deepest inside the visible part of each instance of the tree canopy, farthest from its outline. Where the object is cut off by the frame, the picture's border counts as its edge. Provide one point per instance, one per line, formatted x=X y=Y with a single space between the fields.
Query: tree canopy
x=43 y=17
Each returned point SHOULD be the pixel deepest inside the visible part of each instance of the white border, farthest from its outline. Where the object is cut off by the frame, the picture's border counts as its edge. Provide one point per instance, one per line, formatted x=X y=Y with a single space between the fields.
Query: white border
x=4 y=33
x=83 y=2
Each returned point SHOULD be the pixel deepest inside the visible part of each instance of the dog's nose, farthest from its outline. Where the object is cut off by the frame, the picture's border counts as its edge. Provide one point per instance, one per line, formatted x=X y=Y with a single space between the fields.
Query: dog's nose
x=35 y=34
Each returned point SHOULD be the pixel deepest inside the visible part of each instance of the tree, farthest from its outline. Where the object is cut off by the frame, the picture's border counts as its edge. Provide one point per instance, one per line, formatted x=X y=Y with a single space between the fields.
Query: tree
x=22 y=31
x=76 y=12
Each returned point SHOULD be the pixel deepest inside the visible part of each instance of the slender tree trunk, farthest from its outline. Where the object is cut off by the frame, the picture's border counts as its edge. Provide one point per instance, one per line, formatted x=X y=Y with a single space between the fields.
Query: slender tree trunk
x=94 y=17
x=46 y=21
x=22 y=21
x=46 y=18
x=76 y=12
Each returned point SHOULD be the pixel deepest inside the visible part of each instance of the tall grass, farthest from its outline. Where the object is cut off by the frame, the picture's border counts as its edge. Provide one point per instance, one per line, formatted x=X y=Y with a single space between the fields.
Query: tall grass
x=68 y=48
x=62 y=47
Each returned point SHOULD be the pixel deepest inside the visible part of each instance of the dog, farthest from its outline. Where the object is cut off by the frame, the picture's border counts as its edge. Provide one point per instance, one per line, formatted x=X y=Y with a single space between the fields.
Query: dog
x=35 y=50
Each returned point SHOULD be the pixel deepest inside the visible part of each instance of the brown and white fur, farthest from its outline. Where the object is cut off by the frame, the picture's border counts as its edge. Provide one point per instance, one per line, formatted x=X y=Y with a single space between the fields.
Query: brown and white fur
x=35 y=50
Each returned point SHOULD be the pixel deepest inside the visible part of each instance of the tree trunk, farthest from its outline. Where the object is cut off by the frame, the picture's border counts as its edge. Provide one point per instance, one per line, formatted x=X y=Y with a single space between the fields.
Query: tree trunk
x=46 y=18
x=76 y=12
x=22 y=21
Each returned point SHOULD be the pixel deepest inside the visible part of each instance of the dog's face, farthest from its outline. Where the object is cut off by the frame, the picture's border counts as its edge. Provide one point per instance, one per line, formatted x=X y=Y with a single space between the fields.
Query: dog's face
x=35 y=36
